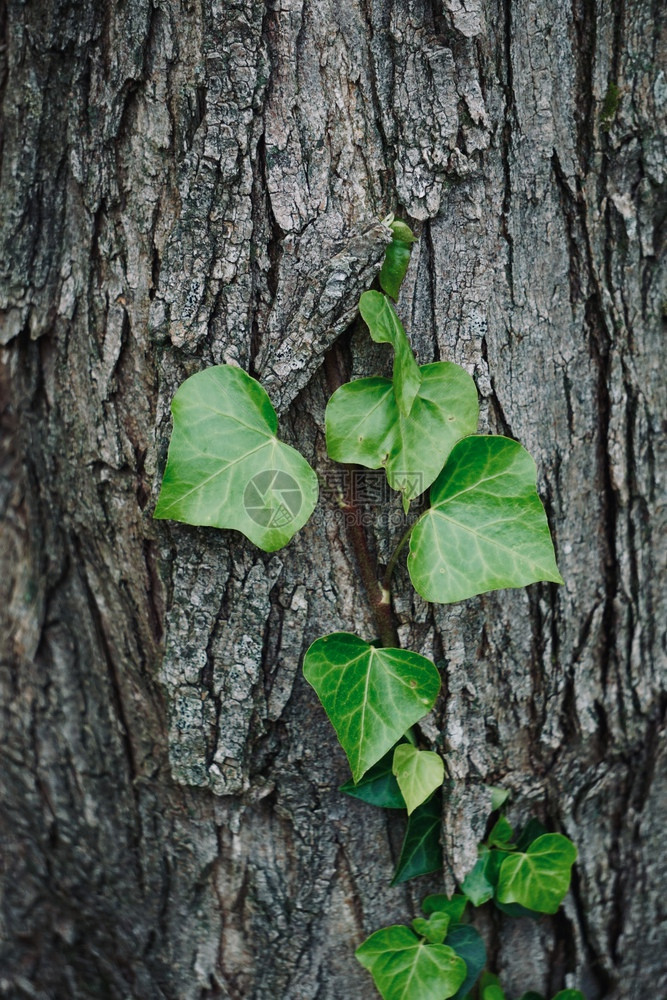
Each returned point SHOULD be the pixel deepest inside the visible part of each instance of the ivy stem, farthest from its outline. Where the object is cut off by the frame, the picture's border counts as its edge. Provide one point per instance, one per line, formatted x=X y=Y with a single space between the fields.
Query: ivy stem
x=378 y=595
x=391 y=565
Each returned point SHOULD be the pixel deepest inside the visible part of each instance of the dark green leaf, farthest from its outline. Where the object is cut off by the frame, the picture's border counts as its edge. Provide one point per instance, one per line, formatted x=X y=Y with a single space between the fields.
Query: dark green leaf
x=421 y=852
x=515 y=911
x=372 y=696
x=365 y=426
x=397 y=258
x=486 y=528
x=378 y=786
x=226 y=468
x=531 y=831
x=407 y=968
x=569 y=995
x=386 y=328
x=467 y=943
x=453 y=907
x=501 y=835
x=539 y=878
x=531 y=995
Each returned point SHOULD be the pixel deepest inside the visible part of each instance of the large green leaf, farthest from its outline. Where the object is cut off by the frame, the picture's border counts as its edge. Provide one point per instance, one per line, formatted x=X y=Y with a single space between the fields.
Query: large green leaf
x=226 y=467
x=365 y=425
x=421 y=852
x=418 y=772
x=539 y=878
x=407 y=968
x=378 y=786
x=486 y=528
x=370 y=695
x=386 y=328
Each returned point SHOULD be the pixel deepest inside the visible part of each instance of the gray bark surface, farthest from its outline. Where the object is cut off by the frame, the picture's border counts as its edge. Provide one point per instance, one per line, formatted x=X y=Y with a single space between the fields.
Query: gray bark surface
x=184 y=184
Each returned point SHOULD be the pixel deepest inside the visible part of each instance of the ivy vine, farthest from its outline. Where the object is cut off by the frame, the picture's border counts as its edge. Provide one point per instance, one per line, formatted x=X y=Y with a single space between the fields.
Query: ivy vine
x=484 y=529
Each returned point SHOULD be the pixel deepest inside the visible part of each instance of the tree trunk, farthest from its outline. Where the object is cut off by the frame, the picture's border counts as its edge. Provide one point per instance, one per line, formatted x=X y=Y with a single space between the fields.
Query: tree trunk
x=187 y=184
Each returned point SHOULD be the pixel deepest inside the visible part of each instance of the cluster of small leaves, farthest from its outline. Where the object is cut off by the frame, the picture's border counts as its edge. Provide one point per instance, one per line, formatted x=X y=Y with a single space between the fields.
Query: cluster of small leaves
x=444 y=956
x=531 y=873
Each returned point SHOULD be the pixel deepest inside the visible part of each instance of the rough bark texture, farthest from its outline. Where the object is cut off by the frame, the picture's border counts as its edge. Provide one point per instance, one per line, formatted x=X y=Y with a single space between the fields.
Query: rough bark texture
x=190 y=183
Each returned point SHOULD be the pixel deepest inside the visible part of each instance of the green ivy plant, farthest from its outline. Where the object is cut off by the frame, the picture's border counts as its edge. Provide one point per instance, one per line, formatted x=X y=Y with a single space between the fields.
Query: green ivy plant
x=485 y=528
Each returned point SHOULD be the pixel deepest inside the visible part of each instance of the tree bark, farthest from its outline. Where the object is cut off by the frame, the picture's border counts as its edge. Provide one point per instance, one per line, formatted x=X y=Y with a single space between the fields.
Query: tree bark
x=185 y=184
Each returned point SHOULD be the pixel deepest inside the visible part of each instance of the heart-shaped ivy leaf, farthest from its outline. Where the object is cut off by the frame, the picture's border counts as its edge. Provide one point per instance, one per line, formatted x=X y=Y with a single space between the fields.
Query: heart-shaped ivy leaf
x=434 y=929
x=486 y=528
x=386 y=328
x=370 y=695
x=226 y=467
x=539 y=878
x=407 y=968
x=418 y=772
x=364 y=425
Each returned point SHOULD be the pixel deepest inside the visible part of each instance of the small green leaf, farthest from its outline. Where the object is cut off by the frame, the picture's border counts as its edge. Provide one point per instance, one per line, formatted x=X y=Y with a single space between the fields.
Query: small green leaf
x=370 y=695
x=499 y=796
x=467 y=943
x=454 y=907
x=378 y=786
x=396 y=259
x=434 y=930
x=418 y=772
x=386 y=328
x=486 y=528
x=476 y=885
x=226 y=468
x=421 y=852
x=540 y=878
x=407 y=968
x=490 y=988
x=569 y=995
x=402 y=232
x=501 y=835
x=364 y=425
